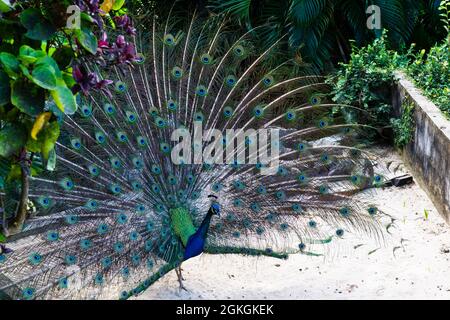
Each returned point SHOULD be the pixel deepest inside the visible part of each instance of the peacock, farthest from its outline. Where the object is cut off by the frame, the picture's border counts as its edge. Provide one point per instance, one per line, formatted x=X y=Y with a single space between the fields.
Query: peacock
x=120 y=210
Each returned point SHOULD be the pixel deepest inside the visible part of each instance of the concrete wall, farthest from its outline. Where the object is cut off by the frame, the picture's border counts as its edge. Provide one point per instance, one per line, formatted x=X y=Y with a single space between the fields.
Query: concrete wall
x=428 y=155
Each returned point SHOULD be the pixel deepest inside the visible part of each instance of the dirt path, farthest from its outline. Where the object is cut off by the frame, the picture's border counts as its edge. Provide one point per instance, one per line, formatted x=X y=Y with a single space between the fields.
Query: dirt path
x=418 y=271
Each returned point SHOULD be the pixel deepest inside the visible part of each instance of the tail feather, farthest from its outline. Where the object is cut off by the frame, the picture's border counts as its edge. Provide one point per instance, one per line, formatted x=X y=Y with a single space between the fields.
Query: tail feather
x=103 y=228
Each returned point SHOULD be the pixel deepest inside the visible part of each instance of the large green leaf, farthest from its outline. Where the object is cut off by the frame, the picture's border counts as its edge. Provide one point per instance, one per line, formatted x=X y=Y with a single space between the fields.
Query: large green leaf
x=28 y=51
x=64 y=98
x=26 y=55
x=85 y=17
x=5 y=6
x=12 y=138
x=34 y=145
x=38 y=28
x=50 y=136
x=27 y=60
x=49 y=61
x=5 y=88
x=10 y=63
x=27 y=97
x=118 y=4
x=44 y=76
x=87 y=39
x=45 y=143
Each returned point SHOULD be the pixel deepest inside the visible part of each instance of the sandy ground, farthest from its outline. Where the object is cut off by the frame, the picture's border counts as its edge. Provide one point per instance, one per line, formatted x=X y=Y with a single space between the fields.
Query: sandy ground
x=419 y=270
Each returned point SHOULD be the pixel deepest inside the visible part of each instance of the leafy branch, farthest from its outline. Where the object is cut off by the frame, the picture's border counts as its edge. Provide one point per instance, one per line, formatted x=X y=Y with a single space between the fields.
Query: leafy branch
x=41 y=73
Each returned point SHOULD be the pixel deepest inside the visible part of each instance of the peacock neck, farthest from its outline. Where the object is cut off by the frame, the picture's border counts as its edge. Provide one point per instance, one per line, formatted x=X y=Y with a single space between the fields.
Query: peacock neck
x=196 y=243
x=204 y=227
x=183 y=225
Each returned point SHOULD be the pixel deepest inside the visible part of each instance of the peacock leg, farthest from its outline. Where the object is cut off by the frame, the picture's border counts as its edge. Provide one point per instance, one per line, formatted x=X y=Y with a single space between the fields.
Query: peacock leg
x=244 y=251
x=180 y=277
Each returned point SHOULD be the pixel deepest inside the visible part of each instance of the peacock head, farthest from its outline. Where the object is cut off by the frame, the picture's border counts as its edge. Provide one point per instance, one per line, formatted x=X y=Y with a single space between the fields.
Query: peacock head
x=215 y=206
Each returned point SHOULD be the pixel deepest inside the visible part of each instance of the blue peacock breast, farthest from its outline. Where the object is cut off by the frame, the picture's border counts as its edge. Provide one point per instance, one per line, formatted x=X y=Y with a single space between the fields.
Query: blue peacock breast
x=194 y=246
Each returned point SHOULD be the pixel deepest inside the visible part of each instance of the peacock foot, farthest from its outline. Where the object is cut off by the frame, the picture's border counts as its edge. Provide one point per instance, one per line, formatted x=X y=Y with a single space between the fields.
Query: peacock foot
x=180 y=278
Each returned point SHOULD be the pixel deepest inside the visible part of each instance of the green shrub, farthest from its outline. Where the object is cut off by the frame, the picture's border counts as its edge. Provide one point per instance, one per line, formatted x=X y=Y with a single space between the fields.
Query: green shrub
x=366 y=81
x=432 y=74
x=404 y=127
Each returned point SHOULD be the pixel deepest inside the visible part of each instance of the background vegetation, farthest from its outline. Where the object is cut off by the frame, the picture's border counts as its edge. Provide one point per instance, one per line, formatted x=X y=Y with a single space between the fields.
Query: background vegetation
x=431 y=72
x=41 y=76
x=319 y=31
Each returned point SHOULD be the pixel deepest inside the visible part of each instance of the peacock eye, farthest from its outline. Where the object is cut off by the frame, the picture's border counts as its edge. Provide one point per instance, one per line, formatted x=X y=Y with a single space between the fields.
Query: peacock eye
x=268 y=81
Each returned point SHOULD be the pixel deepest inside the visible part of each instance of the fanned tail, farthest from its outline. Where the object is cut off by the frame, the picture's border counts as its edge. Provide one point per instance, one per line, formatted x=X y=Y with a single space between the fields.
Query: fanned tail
x=104 y=227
